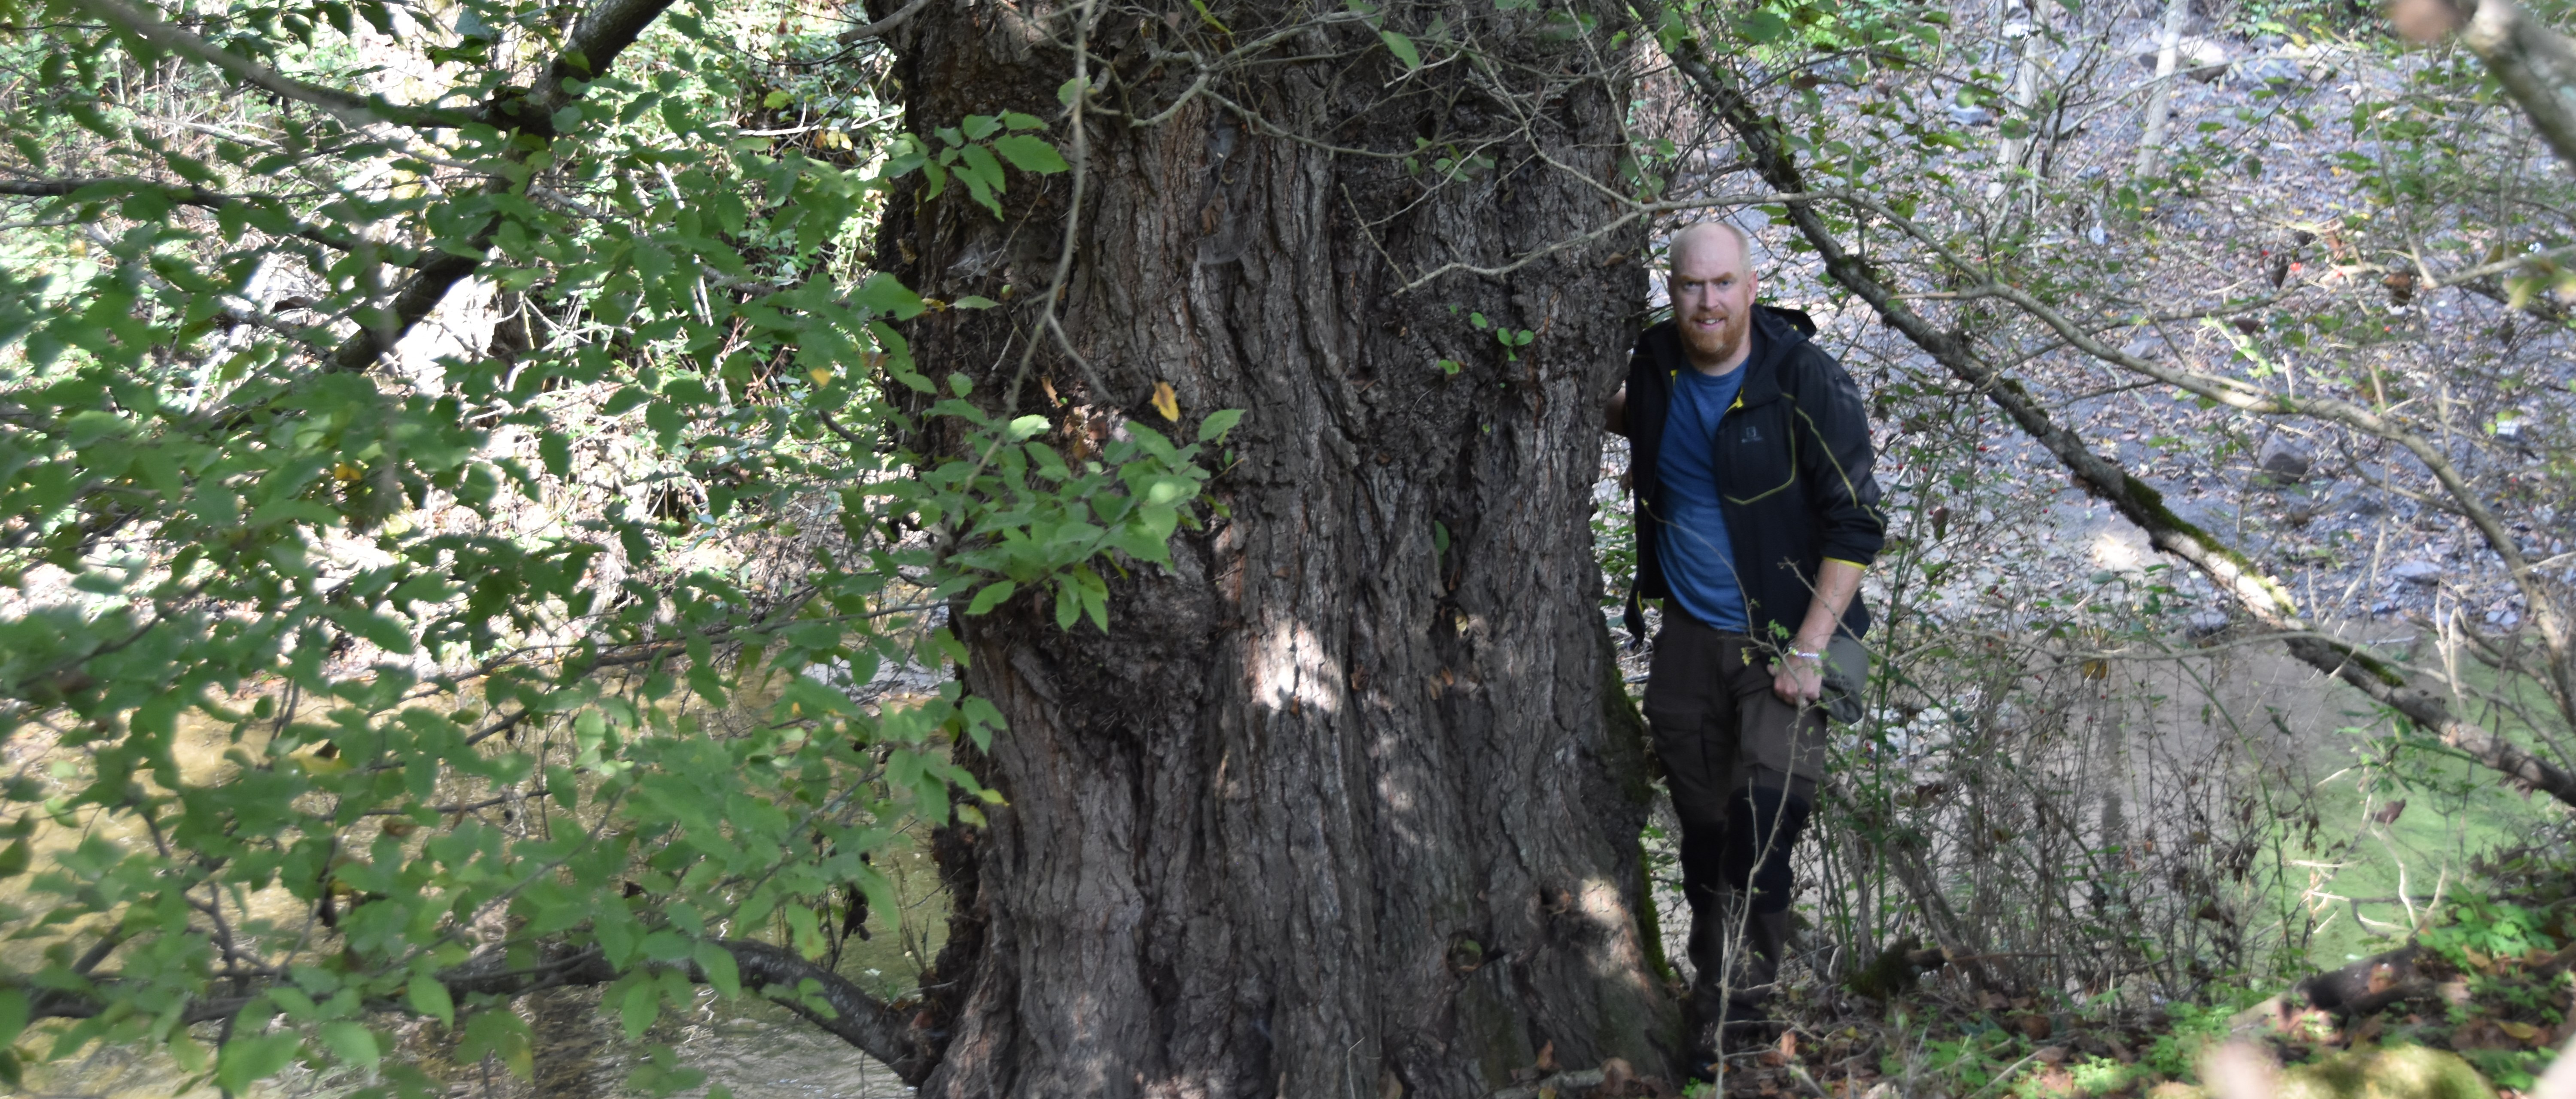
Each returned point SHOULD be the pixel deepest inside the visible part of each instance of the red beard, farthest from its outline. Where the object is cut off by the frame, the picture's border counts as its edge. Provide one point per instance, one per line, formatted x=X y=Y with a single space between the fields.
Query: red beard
x=1719 y=345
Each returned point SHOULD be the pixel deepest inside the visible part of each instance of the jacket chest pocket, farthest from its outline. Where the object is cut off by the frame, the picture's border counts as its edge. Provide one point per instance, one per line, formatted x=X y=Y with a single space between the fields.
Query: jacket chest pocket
x=1757 y=455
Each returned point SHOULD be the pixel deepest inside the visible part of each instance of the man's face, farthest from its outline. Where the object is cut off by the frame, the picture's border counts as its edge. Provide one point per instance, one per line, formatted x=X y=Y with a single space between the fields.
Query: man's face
x=1712 y=289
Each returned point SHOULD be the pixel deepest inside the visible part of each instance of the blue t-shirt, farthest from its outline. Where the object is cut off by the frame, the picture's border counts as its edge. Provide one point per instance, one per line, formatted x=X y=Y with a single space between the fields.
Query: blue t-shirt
x=1698 y=562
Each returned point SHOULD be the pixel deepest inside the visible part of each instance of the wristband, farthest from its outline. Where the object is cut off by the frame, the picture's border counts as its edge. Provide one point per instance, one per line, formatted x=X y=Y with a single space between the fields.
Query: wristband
x=1818 y=657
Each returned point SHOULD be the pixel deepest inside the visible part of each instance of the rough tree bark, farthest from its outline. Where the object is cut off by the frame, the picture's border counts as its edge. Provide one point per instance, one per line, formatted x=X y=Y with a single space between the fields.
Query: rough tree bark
x=1333 y=809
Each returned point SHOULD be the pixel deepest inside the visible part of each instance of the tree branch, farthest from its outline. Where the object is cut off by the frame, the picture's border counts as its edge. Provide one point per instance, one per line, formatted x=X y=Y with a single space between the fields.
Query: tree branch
x=605 y=30
x=187 y=195
x=879 y=28
x=2532 y=62
x=874 y=1027
x=349 y=107
x=2261 y=595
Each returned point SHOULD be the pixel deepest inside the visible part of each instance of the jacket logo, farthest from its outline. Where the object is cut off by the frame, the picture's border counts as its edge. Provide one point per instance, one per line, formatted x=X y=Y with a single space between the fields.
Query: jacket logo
x=1752 y=434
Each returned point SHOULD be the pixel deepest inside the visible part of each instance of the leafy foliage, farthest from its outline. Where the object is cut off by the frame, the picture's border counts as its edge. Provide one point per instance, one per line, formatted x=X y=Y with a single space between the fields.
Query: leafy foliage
x=351 y=666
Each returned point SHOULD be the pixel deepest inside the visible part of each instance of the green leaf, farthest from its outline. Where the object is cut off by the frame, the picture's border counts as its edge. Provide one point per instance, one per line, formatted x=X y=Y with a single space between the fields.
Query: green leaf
x=979 y=167
x=1030 y=154
x=1402 y=48
x=719 y=966
x=379 y=630
x=1764 y=26
x=1218 y=423
x=776 y=99
x=13 y=1016
x=556 y=452
x=13 y=862
x=1439 y=537
x=245 y=1061
x=636 y=1009
x=888 y=295
x=351 y=1042
x=991 y=596
x=429 y=997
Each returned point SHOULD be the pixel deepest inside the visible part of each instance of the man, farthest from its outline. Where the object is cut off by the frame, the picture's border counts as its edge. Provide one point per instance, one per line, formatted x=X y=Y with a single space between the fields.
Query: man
x=1756 y=513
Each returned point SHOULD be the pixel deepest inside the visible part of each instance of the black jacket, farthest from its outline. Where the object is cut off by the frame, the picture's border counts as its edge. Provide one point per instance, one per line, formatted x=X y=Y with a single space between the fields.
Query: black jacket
x=1793 y=461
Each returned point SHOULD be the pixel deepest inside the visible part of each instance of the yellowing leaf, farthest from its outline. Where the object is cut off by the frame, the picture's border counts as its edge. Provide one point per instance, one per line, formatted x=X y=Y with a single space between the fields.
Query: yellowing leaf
x=1166 y=402
x=822 y=375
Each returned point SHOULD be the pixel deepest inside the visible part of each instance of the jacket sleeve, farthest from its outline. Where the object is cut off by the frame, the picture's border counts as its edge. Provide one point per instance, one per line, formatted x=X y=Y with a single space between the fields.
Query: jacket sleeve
x=1839 y=463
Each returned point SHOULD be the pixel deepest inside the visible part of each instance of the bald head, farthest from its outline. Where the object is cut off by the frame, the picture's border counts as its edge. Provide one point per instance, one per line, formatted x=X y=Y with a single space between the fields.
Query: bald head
x=1710 y=241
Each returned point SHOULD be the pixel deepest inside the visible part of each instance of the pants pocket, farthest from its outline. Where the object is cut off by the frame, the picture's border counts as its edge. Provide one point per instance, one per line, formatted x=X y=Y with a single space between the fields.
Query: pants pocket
x=1699 y=765
x=1846 y=679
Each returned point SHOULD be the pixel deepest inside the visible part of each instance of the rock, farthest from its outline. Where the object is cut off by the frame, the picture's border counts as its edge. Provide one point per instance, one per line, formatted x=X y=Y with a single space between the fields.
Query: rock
x=2396 y=1072
x=1971 y=116
x=2194 y=56
x=2285 y=459
x=2422 y=573
x=2364 y=504
x=2316 y=61
x=2268 y=72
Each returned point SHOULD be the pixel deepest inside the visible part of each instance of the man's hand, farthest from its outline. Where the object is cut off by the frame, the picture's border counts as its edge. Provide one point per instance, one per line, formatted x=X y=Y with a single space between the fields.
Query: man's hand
x=1799 y=677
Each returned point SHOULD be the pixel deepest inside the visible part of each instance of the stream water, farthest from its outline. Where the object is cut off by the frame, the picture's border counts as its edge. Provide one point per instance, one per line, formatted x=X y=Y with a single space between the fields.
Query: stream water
x=755 y=1050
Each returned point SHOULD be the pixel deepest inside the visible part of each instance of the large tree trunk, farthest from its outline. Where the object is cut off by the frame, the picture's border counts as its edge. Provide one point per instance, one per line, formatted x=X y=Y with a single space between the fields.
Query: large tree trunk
x=1330 y=811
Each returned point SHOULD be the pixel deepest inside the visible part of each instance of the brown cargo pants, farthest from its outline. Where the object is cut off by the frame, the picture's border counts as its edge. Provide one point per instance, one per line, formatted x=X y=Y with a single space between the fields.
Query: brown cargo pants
x=1742 y=766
